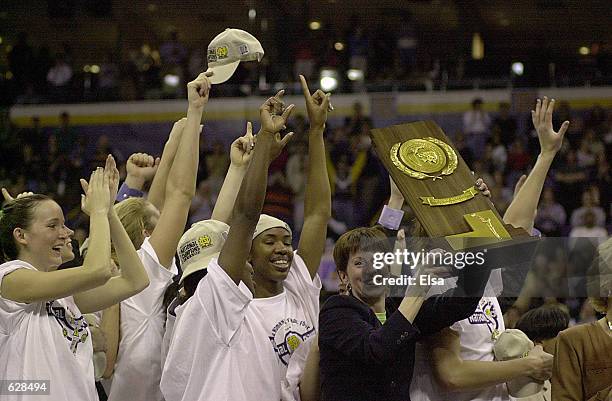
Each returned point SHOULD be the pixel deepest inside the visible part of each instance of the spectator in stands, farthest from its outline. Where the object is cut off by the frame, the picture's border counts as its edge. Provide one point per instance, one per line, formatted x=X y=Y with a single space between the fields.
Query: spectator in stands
x=295 y=174
x=304 y=57
x=465 y=152
x=476 y=124
x=406 y=45
x=589 y=204
x=59 y=78
x=66 y=135
x=571 y=179
x=279 y=198
x=498 y=153
x=217 y=161
x=21 y=60
x=172 y=51
x=108 y=79
x=551 y=216
x=505 y=124
x=34 y=136
x=588 y=228
x=354 y=123
x=202 y=204
x=584 y=157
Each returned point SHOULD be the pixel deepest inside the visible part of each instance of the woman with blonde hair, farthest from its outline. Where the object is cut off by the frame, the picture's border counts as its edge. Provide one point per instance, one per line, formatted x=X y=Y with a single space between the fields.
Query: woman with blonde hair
x=155 y=227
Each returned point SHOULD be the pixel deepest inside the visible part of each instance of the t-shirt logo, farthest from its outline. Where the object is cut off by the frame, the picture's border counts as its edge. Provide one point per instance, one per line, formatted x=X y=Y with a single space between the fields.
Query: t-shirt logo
x=287 y=335
x=74 y=329
x=486 y=313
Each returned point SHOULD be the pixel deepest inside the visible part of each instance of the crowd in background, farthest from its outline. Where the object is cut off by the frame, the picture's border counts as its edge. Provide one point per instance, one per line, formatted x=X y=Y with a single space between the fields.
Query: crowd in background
x=385 y=59
x=576 y=199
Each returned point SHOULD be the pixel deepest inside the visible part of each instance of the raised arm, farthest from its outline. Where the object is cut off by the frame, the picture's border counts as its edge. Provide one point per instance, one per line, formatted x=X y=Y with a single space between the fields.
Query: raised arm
x=317 y=198
x=252 y=192
x=455 y=374
x=240 y=156
x=133 y=277
x=28 y=286
x=181 y=183
x=522 y=210
x=157 y=192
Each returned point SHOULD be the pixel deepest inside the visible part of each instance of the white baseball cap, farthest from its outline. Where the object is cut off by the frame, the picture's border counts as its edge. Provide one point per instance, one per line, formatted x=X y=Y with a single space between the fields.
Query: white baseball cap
x=228 y=49
x=200 y=244
x=267 y=222
x=513 y=344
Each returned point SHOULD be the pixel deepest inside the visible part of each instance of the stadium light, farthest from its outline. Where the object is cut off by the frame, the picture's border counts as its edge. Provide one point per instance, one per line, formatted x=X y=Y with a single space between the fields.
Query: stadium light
x=171 y=80
x=252 y=14
x=354 y=74
x=518 y=68
x=314 y=25
x=339 y=46
x=584 y=51
x=329 y=79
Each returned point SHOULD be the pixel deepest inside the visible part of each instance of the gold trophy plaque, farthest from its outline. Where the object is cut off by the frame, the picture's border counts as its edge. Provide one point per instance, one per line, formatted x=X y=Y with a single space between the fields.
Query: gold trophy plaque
x=439 y=186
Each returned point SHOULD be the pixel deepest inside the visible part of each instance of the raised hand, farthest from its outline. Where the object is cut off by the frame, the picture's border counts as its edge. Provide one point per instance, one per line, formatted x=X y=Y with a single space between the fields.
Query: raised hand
x=7 y=196
x=198 y=90
x=97 y=193
x=271 y=121
x=142 y=166
x=482 y=187
x=317 y=105
x=550 y=141
x=541 y=364
x=241 y=151
x=112 y=174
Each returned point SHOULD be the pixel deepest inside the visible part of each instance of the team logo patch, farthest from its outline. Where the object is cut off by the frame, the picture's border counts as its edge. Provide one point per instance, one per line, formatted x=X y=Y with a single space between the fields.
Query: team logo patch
x=486 y=313
x=74 y=329
x=222 y=52
x=287 y=335
x=204 y=241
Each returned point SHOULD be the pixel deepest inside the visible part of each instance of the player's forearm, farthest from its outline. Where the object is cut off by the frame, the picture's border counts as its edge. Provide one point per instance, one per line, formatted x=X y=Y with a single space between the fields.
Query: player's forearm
x=522 y=210
x=182 y=177
x=157 y=192
x=471 y=375
x=229 y=191
x=252 y=193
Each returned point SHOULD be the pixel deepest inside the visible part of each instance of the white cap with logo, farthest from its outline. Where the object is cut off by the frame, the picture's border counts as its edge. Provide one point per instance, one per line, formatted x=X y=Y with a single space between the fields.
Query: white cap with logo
x=200 y=244
x=228 y=49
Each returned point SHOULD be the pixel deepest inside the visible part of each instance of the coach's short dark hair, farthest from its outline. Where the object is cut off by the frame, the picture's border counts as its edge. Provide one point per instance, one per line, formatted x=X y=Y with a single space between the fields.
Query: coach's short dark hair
x=543 y=323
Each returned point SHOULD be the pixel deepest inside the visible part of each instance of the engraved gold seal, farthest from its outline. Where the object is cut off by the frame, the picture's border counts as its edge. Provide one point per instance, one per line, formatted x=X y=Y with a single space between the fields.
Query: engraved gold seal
x=420 y=158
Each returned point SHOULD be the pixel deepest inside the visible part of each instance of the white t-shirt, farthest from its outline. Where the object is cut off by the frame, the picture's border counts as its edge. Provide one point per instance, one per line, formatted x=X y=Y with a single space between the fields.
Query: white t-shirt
x=229 y=346
x=46 y=341
x=477 y=336
x=291 y=384
x=169 y=329
x=138 y=368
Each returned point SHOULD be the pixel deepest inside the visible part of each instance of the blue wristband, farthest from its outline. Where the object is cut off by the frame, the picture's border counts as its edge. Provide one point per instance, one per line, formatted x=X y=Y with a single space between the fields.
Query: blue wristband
x=391 y=218
x=127 y=192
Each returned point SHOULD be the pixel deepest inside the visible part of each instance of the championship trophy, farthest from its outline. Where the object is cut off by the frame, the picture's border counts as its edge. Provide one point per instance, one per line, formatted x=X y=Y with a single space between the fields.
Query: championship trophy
x=439 y=187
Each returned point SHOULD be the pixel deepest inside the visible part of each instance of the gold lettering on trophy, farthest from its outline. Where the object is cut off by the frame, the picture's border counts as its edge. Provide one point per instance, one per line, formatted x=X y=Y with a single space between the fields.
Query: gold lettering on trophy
x=486 y=229
x=467 y=194
x=420 y=158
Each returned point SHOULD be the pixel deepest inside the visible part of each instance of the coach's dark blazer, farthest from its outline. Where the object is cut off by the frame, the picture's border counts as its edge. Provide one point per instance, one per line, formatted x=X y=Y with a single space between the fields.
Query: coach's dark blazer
x=363 y=360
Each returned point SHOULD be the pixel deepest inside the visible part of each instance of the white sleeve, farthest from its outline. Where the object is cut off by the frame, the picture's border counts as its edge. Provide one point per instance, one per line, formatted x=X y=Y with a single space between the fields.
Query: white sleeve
x=149 y=301
x=224 y=302
x=11 y=312
x=306 y=289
